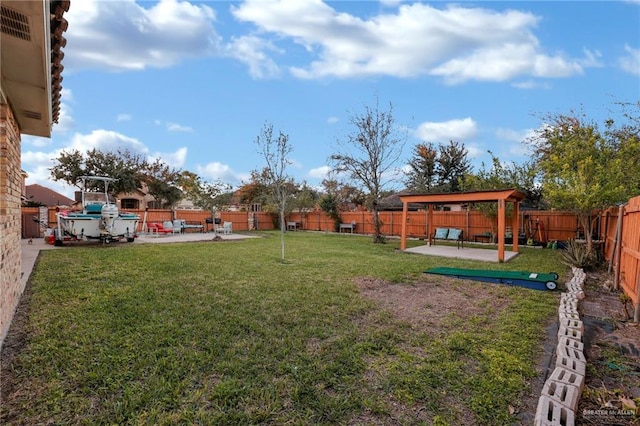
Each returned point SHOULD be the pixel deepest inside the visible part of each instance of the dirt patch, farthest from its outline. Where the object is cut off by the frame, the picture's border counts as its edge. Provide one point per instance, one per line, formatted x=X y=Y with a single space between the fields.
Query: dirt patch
x=612 y=343
x=428 y=307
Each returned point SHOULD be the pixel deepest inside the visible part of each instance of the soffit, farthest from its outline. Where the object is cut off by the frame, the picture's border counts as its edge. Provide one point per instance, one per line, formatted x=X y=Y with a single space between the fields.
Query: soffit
x=31 y=70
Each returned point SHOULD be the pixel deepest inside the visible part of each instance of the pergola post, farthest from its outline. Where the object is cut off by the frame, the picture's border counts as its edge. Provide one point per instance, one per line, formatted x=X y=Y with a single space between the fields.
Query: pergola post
x=429 y=223
x=515 y=225
x=501 y=230
x=403 y=238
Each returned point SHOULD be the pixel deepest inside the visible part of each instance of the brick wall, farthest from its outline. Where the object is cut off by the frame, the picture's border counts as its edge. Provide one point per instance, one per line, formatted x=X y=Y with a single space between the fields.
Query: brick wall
x=11 y=286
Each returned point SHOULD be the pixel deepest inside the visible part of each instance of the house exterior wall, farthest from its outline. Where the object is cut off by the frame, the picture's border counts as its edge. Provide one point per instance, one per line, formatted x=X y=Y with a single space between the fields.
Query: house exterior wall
x=11 y=184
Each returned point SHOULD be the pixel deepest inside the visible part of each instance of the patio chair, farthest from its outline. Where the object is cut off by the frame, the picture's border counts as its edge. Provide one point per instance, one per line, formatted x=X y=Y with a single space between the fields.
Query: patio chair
x=227 y=227
x=158 y=228
x=168 y=225
x=178 y=226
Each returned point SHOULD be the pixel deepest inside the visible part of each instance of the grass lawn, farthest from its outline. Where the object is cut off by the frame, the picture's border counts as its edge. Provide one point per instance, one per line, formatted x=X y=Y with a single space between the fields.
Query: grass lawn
x=225 y=333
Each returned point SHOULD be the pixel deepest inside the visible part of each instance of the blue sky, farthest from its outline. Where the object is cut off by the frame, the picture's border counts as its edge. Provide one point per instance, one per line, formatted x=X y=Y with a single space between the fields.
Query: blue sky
x=193 y=82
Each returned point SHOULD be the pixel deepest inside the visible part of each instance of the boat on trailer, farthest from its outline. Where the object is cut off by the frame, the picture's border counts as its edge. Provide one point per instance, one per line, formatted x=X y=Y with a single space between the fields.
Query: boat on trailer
x=99 y=219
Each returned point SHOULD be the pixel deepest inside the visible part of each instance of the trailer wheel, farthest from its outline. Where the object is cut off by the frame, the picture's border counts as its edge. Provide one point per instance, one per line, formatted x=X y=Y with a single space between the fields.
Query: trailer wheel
x=551 y=285
x=130 y=239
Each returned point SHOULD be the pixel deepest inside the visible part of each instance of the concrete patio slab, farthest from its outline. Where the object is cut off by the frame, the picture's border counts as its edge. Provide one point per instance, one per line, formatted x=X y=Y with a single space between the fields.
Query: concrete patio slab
x=486 y=255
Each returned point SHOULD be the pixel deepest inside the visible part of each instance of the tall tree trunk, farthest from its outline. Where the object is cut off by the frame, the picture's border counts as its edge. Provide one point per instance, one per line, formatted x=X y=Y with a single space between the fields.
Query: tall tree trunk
x=282 y=228
x=377 y=237
x=586 y=226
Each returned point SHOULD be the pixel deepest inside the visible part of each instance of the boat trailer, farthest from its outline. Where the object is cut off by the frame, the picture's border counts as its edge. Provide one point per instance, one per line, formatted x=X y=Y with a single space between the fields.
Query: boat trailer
x=532 y=280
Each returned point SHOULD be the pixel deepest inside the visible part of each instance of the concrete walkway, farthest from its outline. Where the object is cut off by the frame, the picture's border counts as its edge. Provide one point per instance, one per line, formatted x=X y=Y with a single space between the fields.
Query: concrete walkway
x=31 y=250
x=486 y=255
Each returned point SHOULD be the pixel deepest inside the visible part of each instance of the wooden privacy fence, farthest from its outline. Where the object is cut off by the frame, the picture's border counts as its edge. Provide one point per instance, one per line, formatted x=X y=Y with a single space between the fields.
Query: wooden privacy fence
x=558 y=225
x=622 y=248
x=617 y=229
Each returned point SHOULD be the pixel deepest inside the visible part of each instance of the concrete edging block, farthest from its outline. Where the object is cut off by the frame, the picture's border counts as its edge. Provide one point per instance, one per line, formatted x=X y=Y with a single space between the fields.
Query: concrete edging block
x=571 y=353
x=551 y=413
x=571 y=364
x=569 y=342
x=569 y=377
x=573 y=324
x=562 y=393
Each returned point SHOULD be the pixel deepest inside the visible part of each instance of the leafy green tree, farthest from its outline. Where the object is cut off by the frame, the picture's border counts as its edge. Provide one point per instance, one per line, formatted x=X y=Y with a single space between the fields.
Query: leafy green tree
x=255 y=190
x=329 y=204
x=346 y=195
x=585 y=170
x=122 y=165
x=421 y=176
x=209 y=196
x=368 y=155
x=305 y=199
x=130 y=170
x=163 y=182
x=501 y=176
x=451 y=167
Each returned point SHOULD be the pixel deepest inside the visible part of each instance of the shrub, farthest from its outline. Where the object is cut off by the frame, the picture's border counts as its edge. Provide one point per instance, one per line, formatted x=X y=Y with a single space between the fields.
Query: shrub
x=576 y=254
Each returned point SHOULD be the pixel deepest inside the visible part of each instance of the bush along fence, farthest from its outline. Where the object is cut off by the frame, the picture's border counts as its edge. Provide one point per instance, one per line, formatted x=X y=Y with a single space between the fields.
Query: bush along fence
x=617 y=229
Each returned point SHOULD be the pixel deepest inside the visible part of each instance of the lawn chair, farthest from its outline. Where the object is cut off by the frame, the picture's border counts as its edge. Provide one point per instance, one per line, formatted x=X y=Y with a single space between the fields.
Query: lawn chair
x=158 y=228
x=168 y=225
x=227 y=227
x=178 y=226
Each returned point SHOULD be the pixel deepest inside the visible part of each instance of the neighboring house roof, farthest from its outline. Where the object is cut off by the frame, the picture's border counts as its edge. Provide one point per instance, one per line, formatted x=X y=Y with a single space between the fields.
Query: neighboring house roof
x=48 y=197
x=393 y=202
x=31 y=56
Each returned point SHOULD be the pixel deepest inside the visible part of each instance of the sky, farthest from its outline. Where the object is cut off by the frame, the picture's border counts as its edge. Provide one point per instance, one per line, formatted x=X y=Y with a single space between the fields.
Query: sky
x=194 y=82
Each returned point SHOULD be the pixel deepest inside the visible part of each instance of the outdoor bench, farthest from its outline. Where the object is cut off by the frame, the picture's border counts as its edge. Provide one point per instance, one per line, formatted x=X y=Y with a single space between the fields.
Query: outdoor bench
x=293 y=226
x=448 y=234
x=350 y=226
x=192 y=225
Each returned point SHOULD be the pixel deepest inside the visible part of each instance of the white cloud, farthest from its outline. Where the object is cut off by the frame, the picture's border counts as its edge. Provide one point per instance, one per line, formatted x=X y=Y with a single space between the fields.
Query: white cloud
x=512 y=135
x=123 y=117
x=390 y=3
x=37 y=164
x=631 y=62
x=124 y=35
x=35 y=141
x=457 y=130
x=531 y=84
x=106 y=140
x=332 y=120
x=319 y=172
x=216 y=170
x=252 y=51
x=172 y=159
x=473 y=151
x=174 y=127
x=519 y=140
x=456 y=43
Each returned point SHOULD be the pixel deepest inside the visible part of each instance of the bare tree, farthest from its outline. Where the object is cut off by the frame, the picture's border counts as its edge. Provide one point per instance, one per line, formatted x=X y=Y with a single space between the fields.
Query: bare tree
x=276 y=152
x=369 y=154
